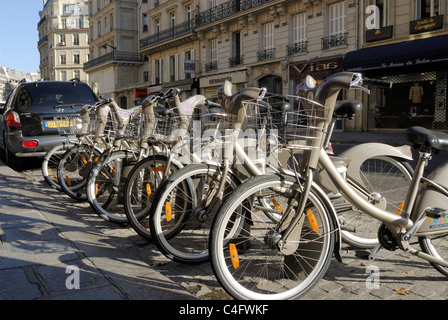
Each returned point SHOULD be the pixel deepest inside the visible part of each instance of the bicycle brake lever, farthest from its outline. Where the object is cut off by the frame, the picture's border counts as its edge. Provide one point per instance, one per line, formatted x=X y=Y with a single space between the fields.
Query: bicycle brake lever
x=360 y=88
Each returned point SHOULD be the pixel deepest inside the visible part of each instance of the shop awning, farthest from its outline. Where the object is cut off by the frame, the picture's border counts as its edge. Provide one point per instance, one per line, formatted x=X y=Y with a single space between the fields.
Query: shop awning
x=409 y=53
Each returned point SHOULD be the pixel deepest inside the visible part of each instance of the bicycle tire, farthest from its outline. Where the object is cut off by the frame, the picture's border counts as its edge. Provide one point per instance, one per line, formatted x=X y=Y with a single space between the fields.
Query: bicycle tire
x=105 y=185
x=386 y=178
x=436 y=246
x=243 y=262
x=141 y=186
x=50 y=164
x=181 y=231
x=73 y=170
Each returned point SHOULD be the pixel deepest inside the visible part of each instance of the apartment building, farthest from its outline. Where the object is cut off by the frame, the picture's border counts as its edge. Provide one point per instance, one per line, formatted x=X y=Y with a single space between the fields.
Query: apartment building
x=114 y=65
x=170 y=44
x=408 y=46
x=63 y=39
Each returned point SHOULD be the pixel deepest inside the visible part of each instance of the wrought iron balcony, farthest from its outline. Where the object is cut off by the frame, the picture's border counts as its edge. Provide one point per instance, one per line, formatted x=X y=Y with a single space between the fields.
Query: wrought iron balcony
x=235 y=61
x=225 y=9
x=266 y=54
x=297 y=48
x=334 y=41
x=212 y=65
x=116 y=56
x=167 y=34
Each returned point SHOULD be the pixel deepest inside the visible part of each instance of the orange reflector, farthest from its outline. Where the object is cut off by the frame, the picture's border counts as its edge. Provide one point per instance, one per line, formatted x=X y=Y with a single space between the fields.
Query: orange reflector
x=148 y=189
x=83 y=158
x=67 y=179
x=234 y=256
x=400 y=208
x=168 y=211
x=158 y=169
x=312 y=220
x=56 y=179
x=277 y=206
x=96 y=188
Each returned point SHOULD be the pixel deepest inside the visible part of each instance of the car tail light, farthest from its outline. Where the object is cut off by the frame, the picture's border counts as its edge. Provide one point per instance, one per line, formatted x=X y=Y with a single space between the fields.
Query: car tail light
x=13 y=119
x=30 y=143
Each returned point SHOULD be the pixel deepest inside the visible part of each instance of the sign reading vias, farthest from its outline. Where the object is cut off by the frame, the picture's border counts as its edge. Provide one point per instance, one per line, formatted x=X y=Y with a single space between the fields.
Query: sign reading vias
x=317 y=69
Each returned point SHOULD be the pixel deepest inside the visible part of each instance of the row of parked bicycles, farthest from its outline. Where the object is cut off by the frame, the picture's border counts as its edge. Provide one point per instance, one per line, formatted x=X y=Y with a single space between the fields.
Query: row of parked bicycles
x=250 y=183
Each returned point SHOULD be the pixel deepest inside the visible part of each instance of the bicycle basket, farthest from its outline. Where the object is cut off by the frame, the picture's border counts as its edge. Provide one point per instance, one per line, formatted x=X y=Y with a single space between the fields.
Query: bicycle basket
x=294 y=127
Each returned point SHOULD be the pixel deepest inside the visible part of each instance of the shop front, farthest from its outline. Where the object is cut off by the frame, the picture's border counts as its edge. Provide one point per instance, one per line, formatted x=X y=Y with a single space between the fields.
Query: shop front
x=418 y=70
x=209 y=84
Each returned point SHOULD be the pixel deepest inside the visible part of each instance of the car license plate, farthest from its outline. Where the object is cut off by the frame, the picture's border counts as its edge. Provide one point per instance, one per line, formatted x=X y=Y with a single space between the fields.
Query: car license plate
x=59 y=123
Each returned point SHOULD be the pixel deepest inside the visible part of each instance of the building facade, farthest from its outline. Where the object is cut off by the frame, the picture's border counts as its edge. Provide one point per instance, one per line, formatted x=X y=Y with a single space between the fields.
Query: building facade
x=63 y=39
x=195 y=45
x=114 y=65
x=409 y=47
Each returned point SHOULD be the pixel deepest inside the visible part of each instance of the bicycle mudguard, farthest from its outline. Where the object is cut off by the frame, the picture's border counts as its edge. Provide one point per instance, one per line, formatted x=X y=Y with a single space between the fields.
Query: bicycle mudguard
x=433 y=196
x=360 y=153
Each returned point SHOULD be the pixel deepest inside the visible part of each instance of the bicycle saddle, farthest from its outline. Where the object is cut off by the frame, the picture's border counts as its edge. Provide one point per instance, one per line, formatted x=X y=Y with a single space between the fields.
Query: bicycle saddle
x=347 y=108
x=427 y=140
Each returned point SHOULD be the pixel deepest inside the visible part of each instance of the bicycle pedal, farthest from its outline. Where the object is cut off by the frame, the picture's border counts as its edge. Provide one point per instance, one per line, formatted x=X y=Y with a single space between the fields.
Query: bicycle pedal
x=436 y=213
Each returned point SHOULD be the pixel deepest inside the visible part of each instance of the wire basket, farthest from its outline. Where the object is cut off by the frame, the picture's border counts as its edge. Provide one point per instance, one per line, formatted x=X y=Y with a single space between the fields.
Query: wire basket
x=296 y=127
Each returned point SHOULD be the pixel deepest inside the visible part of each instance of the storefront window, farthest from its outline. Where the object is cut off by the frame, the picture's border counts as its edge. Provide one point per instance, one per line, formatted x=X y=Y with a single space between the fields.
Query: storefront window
x=417 y=99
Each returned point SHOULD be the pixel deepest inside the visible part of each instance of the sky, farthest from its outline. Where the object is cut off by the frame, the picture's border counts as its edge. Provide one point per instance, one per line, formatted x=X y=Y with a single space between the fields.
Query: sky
x=18 y=34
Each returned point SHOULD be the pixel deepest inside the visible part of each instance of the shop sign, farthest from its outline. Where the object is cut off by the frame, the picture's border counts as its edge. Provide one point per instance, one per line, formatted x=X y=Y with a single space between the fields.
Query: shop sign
x=189 y=66
x=427 y=24
x=218 y=80
x=379 y=34
x=316 y=69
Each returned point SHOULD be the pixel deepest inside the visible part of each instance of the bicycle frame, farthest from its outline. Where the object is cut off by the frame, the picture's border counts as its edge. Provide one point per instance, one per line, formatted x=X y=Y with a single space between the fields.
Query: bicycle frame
x=403 y=226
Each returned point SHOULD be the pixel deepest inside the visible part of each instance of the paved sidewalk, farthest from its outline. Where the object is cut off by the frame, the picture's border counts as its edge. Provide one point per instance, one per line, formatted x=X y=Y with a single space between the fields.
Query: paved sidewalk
x=44 y=234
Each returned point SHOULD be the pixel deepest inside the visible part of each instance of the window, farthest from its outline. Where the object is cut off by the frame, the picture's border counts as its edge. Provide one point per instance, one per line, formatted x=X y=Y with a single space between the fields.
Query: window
x=99 y=28
x=63 y=75
x=236 y=58
x=427 y=8
x=267 y=51
x=157 y=71
x=111 y=21
x=63 y=58
x=62 y=43
x=299 y=27
x=145 y=22
x=76 y=59
x=145 y=76
x=336 y=18
x=268 y=35
x=76 y=39
x=384 y=8
x=157 y=26
x=76 y=74
x=173 y=67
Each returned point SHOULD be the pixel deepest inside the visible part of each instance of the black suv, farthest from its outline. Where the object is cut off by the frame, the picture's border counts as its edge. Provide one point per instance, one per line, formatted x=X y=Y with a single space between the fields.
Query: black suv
x=27 y=123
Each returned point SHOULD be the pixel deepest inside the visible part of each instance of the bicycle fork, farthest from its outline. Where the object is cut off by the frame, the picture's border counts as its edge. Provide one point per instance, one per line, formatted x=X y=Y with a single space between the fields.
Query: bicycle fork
x=286 y=237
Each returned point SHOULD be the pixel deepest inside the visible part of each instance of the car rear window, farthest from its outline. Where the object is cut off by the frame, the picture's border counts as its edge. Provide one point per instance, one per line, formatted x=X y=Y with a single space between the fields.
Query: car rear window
x=53 y=94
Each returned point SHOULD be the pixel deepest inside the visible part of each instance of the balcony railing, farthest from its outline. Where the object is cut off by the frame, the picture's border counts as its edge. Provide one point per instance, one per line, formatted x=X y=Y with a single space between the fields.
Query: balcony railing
x=225 y=9
x=176 y=31
x=296 y=48
x=42 y=41
x=235 y=61
x=212 y=65
x=334 y=41
x=117 y=56
x=266 y=54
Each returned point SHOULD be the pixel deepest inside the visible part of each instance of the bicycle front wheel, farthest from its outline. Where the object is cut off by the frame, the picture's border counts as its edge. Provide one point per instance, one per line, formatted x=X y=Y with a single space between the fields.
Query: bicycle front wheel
x=182 y=212
x=141 y=186
x=105 y=185
x=74 y=168
x=244 y=258
x=50 y=164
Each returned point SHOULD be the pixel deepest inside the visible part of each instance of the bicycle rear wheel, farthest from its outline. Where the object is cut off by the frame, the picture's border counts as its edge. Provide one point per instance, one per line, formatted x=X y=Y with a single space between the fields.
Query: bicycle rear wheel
x=141 y=186
x=244 y=258
x=387 y=180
